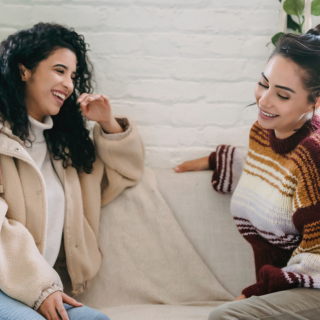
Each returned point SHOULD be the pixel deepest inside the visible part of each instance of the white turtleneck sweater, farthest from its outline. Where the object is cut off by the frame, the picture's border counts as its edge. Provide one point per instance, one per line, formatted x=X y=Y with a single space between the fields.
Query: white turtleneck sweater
x=54 y=189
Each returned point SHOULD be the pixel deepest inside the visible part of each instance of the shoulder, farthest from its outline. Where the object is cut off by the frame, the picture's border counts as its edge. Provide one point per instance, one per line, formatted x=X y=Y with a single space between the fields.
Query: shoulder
x=258 y=136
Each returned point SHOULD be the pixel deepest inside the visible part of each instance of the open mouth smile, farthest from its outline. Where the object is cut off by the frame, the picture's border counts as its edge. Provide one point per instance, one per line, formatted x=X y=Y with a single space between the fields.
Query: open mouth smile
x=59 y=96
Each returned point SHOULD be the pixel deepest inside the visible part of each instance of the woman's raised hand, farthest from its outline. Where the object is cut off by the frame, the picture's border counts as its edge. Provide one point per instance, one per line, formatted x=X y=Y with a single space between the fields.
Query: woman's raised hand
x=54 y=304
x=96 y=107
x=194 y=165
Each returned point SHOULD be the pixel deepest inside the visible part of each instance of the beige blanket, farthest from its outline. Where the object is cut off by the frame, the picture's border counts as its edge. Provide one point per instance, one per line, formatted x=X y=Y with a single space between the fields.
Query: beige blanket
x=147 y=257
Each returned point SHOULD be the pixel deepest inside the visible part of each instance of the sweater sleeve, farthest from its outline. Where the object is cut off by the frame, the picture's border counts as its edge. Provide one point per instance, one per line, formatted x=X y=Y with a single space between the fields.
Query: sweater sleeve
x=25 y=274
x=123 y=158
x=227 y=163
x=303 y=268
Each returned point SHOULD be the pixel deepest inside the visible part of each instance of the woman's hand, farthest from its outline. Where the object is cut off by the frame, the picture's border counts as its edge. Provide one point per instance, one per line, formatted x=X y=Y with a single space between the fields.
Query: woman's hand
x=194 y=165
x=54 y=304
x=96 y=107
x=242 y=297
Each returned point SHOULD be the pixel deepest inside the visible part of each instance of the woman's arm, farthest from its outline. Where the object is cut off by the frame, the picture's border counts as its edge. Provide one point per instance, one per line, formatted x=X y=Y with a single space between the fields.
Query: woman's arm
x=194 y=165
x=24 y=273
x=303 y=268
x=227 y=163
x=118 y=145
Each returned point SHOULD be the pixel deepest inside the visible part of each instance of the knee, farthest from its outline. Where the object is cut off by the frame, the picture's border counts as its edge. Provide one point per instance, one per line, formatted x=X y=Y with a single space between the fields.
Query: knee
x=101 y=316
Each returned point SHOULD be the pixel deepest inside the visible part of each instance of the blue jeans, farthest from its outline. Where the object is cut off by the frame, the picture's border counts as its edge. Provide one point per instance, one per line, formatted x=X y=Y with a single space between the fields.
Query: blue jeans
x=11 y=309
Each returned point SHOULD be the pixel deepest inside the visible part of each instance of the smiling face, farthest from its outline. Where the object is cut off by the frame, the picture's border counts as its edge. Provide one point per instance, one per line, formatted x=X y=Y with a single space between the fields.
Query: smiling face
x=281 y=97
x=50 y=84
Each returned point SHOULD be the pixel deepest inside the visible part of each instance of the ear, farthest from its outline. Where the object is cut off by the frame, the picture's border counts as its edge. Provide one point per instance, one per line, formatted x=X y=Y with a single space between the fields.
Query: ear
x=24 y=72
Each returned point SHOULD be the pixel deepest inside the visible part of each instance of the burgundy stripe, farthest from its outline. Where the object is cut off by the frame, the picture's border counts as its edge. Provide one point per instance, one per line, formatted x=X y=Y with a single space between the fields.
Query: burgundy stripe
x=303 y=178
x=314 y=182
x=293 y=277
x=231 y=164
x=225 y=166
x=302 y=280
x=259 y=142
x=260 y=132
x=311 y=282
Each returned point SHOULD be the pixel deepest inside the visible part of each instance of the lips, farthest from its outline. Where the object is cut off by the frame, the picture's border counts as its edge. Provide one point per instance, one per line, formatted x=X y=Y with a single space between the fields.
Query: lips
x=58 y=100
x=265 y=117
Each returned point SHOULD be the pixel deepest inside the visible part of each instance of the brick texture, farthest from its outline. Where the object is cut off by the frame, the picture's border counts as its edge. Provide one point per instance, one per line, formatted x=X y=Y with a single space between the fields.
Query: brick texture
x=184 y=70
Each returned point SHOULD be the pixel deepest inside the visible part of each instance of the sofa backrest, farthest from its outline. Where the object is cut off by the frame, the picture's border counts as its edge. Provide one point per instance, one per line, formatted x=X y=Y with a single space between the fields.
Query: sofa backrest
x=205 y=217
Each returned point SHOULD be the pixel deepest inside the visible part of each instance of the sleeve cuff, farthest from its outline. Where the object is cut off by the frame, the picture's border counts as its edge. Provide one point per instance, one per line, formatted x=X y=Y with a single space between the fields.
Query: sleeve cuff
x=124 y=124
x=257 y=289
x=212 y=161
x=45 y=294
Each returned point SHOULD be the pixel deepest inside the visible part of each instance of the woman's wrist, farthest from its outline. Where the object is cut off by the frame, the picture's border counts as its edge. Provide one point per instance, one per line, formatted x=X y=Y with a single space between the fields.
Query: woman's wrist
x=111 y=126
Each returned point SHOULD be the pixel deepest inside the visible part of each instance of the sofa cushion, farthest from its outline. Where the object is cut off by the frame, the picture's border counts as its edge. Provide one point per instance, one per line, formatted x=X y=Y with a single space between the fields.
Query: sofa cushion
x=146 y=255
x=205 y=217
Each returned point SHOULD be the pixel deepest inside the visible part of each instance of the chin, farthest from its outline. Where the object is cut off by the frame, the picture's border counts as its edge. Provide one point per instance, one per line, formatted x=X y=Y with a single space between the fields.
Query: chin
x=265 y=124
x=54 y=111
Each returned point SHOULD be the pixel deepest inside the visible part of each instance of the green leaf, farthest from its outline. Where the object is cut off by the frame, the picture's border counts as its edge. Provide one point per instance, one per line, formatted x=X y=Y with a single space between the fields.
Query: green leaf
x=276 y=37
x=315 y=7
x=291 y=24
x=294 y=7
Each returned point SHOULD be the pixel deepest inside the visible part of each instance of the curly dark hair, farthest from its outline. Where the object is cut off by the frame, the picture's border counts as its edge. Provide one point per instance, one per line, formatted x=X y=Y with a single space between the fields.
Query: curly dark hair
x=69 y=138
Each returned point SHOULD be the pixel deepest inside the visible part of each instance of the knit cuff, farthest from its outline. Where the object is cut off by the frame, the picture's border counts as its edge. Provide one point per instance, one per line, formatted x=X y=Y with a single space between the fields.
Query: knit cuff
x=257 y=289
x=212 y=161
x=45 y=294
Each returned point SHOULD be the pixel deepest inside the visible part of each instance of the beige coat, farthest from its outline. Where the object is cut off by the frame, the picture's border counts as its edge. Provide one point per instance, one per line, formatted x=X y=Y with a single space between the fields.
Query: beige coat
x=24 y=273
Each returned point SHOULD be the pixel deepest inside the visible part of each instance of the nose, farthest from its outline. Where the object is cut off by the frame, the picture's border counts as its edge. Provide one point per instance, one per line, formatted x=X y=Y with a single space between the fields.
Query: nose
x=265 y=99
x=68 y=83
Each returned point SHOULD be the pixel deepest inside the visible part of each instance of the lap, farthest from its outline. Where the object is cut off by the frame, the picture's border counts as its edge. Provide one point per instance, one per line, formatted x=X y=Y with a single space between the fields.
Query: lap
x=11 y=309
x=294 y=304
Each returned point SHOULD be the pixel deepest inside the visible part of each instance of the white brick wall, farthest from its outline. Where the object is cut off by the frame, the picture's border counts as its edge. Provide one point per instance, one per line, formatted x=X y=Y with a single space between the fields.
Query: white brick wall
x=182 y=69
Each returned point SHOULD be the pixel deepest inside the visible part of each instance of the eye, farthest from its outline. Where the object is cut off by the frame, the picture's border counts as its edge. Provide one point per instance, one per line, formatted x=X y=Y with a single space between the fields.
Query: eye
x=262 y=85
x=283 y=98
x=60 y=71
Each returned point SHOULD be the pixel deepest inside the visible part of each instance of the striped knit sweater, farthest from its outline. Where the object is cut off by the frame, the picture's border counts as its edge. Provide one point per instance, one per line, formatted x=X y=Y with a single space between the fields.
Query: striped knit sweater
x=276 y=204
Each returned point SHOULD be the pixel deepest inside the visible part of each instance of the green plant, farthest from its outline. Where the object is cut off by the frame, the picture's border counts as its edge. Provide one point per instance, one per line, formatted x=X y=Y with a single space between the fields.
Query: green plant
x=296 y=8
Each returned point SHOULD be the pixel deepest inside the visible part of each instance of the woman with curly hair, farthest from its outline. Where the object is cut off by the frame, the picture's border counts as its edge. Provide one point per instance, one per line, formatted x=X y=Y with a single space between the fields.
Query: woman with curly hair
x=55 y=178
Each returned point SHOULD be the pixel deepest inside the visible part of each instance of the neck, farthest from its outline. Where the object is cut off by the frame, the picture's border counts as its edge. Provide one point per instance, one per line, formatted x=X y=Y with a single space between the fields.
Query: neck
x=284 y=134
x=34 y=111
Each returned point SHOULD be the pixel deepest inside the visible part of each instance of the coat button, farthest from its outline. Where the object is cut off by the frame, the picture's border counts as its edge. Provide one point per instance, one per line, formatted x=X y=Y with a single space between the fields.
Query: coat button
x=16 y=149
x=38 y=192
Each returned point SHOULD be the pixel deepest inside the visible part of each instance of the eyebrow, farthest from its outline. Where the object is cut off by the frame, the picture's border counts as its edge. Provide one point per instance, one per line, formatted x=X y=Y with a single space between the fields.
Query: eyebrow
x=63 y=66
x=280 y=87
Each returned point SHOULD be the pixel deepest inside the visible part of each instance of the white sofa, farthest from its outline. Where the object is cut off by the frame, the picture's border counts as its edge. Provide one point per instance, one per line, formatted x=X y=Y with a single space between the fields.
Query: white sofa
x=205 y=219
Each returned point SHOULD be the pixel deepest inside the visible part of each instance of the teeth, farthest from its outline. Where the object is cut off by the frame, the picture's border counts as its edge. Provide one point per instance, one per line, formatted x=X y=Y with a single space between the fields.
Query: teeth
x=269 y=115
x=60 y=95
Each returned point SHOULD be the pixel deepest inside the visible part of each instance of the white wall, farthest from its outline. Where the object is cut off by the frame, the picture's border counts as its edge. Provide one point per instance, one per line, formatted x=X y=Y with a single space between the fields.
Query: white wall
x=182 y=69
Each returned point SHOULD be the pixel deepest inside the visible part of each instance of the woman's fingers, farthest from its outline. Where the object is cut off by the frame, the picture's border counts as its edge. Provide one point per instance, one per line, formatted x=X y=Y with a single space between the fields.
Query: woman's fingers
x=89 y=99
x=71 y=301
x=63 y=312
x=53 y=315
x=82 y=96
x=182 y=167
x=193 y=165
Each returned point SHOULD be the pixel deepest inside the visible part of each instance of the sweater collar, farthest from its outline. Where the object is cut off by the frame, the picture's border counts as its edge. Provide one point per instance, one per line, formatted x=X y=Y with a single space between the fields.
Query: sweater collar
x=283 y=146
x=37 y=128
